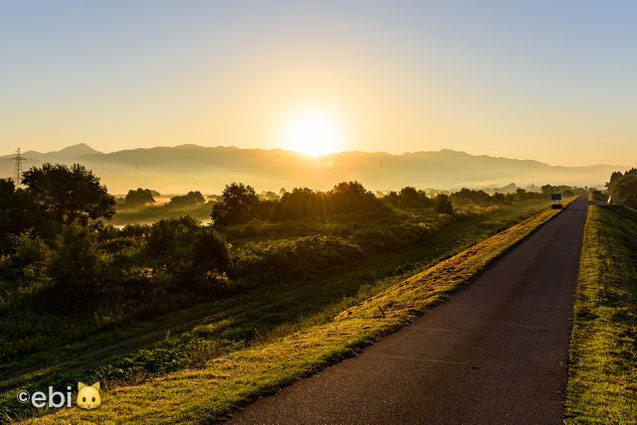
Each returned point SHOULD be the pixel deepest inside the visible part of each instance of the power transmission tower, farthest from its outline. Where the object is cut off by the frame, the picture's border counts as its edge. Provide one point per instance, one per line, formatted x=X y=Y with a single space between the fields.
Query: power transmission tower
x=18 y=158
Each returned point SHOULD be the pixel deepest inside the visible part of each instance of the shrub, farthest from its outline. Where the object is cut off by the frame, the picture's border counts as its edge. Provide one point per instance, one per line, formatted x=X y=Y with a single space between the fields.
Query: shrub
x=78 y=268
x=172 y=236
x=25 y=273
x=442 y=204
x=137 y=231
x=210 y=251
x=302 y=257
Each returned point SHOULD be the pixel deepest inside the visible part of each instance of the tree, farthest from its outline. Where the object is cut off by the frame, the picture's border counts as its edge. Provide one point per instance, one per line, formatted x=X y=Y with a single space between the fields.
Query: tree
x=548 y=190
x=624 y=186
x=269 y=196
x=69 y=194
x=442 y=204
x=499 y=198
x=521 y=194
x=139 y=197
x=236 y=206
x=409 y=198
x=467 y=196
x=301 y=202
x=18 y=213
x=350 y=197
x=614 y=177
x=189 y=200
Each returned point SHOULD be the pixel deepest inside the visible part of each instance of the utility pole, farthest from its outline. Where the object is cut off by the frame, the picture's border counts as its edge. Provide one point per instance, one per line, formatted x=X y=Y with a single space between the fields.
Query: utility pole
x=18 y=158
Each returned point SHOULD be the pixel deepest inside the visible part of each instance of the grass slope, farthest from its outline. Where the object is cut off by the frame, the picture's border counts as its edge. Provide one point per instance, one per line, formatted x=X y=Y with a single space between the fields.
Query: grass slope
x=602 y=383
x=220 y=385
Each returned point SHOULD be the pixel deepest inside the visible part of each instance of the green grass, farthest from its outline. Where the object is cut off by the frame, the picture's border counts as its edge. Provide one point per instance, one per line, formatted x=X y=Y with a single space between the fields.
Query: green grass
x=227 y=379
x=602 y=382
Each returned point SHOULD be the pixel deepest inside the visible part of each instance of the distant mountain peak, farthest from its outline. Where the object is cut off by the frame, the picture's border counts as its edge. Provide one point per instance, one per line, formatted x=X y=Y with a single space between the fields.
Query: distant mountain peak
x=72 y=152
x=80 y=149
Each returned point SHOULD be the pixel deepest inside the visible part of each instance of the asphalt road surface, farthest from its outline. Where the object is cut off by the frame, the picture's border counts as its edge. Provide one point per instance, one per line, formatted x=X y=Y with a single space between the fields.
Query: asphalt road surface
x=495 y=353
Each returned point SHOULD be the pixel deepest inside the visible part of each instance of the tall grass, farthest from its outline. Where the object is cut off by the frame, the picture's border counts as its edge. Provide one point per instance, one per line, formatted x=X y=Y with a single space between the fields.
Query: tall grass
x=602 y=378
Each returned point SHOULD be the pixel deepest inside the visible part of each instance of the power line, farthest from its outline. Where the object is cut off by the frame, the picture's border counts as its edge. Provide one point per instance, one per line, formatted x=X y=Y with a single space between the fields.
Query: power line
x=17 y=173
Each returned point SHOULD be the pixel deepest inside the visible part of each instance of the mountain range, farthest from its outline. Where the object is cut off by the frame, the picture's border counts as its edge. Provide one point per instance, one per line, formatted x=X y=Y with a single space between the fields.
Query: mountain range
x=191 y=167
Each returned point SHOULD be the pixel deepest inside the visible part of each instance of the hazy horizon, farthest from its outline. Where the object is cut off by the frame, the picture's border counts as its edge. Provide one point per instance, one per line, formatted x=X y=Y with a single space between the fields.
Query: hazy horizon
x=192 y=167
x=551 y=82
x=289 y=150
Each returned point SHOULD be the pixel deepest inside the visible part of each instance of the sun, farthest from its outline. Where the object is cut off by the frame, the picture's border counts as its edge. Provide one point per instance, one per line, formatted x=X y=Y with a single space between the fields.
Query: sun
x=313 y=133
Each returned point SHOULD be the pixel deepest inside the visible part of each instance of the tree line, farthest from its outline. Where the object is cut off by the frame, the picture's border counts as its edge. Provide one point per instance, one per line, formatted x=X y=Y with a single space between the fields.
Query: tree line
x=57 y=195
x=54 y=234
x=143 y=197
x=240 y=203
x=623 y=186
x=59 y=257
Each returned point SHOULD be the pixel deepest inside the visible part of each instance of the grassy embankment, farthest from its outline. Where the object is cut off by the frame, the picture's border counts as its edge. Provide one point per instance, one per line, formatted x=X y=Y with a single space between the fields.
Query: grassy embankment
x=602 y=384
x=217 y=386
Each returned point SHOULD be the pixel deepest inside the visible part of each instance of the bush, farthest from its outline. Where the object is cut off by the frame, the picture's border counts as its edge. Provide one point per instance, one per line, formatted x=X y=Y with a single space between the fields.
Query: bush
x=137 y=231
x=299 y=258
x=378 y=240
x=442 y=204
x=210 y=251
x=172 y=236
x=79 y=269
x=25 y=273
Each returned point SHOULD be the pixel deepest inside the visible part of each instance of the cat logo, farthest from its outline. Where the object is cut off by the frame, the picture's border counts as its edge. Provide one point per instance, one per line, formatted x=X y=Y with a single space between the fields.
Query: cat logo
x=88 y=397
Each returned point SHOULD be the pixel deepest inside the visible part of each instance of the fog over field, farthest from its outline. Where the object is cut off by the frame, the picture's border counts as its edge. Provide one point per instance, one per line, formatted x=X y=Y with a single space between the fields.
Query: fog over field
x=192 y=167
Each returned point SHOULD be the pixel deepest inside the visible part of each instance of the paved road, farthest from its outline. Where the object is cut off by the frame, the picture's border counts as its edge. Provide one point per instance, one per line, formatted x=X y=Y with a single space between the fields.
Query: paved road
x=495 y=353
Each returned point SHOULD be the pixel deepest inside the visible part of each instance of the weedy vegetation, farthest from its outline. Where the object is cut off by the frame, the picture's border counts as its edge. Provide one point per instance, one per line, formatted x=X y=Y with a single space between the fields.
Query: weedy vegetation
x=602 y=378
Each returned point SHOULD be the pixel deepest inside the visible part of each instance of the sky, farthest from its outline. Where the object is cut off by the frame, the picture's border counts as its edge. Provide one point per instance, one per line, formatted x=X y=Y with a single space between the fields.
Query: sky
x=547 y=80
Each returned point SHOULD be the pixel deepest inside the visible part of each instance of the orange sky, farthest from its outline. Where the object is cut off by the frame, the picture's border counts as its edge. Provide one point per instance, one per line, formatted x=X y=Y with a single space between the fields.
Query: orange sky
x=545 y=82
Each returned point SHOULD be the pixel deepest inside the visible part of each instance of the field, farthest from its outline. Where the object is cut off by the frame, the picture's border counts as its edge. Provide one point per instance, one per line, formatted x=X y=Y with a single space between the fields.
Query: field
x=602 y=384
x=149 y=214
x=190 y=338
